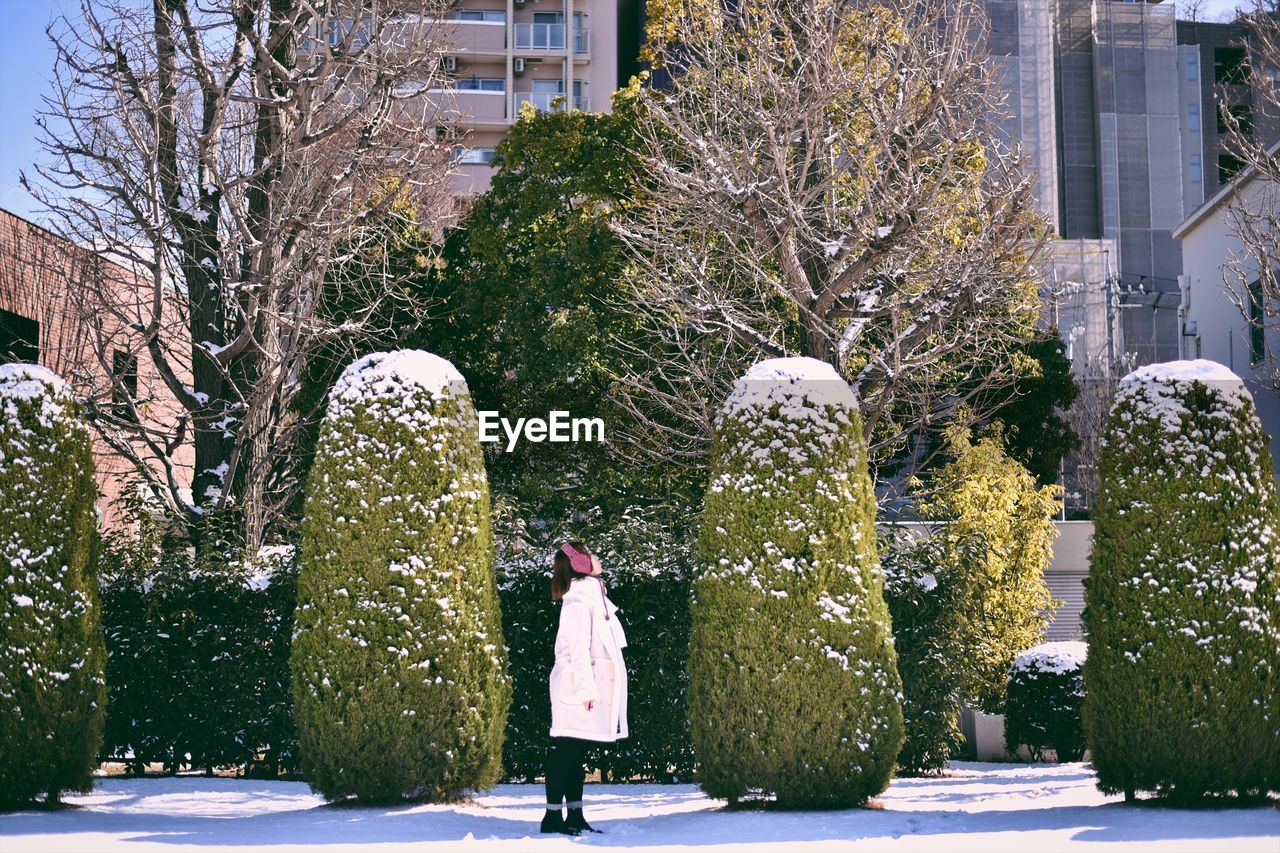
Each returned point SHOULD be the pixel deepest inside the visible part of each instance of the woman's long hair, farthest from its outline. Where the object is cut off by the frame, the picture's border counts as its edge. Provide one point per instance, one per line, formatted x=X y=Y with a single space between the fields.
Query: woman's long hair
x=562 y=573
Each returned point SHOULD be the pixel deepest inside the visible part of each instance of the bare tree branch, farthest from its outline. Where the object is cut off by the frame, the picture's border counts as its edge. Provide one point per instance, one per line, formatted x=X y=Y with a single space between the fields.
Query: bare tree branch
x=1250 y=109
x=821 y=180
x=229 y=153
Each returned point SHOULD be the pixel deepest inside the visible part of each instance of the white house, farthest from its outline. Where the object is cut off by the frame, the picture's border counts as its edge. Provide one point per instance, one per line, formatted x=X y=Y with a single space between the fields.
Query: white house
x=1217 y=275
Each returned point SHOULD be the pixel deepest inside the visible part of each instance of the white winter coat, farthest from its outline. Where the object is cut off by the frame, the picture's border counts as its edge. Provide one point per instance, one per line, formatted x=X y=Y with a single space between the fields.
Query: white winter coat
x=589 y=666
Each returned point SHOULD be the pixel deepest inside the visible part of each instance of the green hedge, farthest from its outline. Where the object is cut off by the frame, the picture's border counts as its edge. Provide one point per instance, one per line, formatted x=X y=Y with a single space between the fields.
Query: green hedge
x=929 y=583
x=1045 y=702
x=793 y=684
x=400 y=680
x=198 y=666
x=52 y=694
x=1182 y=603
x=646 y=568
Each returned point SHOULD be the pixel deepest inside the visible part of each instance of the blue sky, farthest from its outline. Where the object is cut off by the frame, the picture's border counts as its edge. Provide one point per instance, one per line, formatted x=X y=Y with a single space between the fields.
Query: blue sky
x=25 y=62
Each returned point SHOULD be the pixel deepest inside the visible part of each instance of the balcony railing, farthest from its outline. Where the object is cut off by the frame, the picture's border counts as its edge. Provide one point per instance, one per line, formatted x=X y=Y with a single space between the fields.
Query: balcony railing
x=540 y=36
x=581 y=40
x=551 y=101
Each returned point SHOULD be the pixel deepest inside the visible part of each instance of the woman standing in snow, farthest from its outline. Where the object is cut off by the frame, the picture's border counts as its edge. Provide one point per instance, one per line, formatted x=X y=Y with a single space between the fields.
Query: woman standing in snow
x=588 y=682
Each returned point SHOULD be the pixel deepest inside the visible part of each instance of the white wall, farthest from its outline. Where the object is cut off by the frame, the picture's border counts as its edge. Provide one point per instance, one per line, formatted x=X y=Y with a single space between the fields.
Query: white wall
x=1222 y=335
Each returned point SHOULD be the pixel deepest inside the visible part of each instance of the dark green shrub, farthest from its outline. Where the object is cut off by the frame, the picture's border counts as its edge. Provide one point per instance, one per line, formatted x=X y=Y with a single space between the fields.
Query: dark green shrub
x=1183 y=597
x=929 y=583
x=198 y=669
x=400 y=681
x=793 y=685
x=1045 y=703
x=52 y=690
x=646 y=559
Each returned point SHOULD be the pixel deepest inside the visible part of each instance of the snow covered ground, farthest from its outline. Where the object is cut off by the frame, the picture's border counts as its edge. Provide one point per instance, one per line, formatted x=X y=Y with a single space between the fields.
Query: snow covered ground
x=979 y=807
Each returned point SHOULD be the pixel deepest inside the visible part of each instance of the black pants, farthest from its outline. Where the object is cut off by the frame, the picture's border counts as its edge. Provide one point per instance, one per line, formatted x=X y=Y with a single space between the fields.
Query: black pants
x=564 y=772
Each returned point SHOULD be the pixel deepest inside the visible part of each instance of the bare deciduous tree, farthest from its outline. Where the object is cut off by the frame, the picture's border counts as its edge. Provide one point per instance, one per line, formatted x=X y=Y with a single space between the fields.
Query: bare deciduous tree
x=824 y=178
x=1252 y=275
x=1192 y=10
x=230 y=153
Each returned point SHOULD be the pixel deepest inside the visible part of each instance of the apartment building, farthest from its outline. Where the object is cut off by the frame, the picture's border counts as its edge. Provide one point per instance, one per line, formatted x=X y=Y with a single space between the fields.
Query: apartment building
x=507 y=55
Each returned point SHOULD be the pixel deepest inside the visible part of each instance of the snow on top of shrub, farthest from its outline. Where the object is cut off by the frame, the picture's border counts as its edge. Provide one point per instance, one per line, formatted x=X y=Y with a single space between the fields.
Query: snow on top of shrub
x=31 y=383
x=398 y=374
x=27 y=381
x=798 y=384
x=1161 y=387
x=1058 y=658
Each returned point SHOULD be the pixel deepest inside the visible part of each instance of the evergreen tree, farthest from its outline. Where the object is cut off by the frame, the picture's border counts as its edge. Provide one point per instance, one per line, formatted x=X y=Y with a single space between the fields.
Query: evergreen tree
x=1183 y=598
x=793 y=684
x=984 y=496
x=399 y=668
x=530 y=288
x=52 y=690
x=929 y=584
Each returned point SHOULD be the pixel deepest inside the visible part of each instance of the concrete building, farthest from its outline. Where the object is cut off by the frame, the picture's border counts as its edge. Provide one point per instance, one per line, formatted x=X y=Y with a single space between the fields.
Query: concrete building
x=1213 y=59
x=1121 y=149
x=1220 y=277
x=550 y=54
x=1116 y=107
x=1021 y=43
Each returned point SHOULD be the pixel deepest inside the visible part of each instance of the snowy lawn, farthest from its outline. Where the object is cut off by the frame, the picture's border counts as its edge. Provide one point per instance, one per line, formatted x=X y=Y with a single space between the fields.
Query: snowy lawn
x=979 y=807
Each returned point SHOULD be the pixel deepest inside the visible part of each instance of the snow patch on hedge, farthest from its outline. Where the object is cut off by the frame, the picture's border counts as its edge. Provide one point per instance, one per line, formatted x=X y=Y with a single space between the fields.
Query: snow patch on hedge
x=31 y=383
x=383 y=375
x=1160 y=389
x=798 y=384
x=1058 y=658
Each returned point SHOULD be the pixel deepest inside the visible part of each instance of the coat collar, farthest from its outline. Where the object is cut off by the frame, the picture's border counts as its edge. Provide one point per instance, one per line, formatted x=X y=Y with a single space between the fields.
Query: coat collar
x=588 y=589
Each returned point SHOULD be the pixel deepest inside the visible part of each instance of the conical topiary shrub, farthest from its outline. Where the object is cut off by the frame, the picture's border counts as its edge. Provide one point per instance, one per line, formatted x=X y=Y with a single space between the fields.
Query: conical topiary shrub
x=1182 y=602
x=399 y=668
x=793 y=685
x=52 y=691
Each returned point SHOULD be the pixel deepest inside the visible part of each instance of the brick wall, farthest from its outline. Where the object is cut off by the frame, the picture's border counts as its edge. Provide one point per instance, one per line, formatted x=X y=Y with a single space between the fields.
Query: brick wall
x=41 y=279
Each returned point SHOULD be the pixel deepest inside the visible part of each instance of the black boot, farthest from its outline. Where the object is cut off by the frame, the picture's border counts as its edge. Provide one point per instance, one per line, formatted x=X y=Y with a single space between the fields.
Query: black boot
x=577 y=821
x=553 y=821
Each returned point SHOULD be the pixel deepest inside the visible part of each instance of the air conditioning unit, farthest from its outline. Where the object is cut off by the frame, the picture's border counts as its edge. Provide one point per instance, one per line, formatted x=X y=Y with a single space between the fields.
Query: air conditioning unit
x=449 y=63
x=517 y=66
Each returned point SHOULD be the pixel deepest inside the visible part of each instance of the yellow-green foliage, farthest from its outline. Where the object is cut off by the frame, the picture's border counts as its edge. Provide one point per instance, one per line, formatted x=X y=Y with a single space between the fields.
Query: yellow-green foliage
x=52 y=691
x=793 y=684
x=984 y=495
x=1183 y=597
x=400 y=682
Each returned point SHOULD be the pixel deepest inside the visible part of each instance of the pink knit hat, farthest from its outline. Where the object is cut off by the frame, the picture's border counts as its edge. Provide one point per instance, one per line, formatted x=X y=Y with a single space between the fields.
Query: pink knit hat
x=579 y=561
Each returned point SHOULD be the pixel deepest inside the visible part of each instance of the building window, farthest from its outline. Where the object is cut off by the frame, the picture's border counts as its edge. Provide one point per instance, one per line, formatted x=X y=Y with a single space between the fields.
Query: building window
x=1230 y=65
x=474 y=156
x=1257 y=330
x=1193 y=117
x=481 y=84
x=1193 y=66
x=124 y=385
x=1197 y=171
x=19 y=338
x=488 y=16
x=1228 y=168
